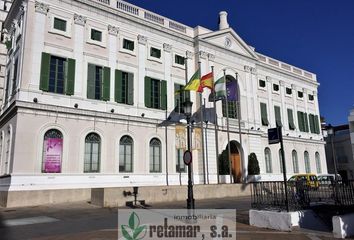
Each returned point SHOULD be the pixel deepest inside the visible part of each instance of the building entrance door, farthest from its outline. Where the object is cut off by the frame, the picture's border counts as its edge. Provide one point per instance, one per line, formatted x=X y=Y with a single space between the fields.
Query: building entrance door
x=236 y=167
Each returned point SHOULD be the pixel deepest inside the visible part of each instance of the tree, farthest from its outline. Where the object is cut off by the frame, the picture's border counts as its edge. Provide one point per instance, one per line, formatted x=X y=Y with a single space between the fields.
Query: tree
x=224 y=163
x=253 y=165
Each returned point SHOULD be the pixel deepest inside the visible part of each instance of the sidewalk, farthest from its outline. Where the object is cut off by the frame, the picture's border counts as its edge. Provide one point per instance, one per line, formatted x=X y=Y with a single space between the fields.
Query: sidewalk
x=82 y=220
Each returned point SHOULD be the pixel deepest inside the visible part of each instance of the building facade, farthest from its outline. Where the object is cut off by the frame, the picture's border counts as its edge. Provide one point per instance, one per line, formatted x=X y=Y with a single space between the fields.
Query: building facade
x=5 y=6
x=93 y=82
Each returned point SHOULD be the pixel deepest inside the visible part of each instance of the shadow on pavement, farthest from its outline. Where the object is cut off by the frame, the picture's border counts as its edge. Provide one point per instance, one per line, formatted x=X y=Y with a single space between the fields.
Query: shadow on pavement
x=3 y=229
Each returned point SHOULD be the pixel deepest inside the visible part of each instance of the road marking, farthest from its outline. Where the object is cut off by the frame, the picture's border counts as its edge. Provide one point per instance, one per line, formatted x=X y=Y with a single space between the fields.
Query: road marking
x=28 y=221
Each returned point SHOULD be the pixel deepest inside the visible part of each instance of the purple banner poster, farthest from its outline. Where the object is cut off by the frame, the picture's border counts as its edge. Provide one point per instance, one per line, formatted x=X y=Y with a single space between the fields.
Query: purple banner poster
x=52 y=157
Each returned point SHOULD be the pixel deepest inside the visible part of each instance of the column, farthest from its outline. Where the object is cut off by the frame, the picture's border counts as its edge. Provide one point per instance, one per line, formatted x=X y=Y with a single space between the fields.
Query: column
x=283 y=106
x=167 y=76
x=271 y=117
x=80 y=81
x=140 y=84
x=112 y=58
x=294 y=95
x=38 y=32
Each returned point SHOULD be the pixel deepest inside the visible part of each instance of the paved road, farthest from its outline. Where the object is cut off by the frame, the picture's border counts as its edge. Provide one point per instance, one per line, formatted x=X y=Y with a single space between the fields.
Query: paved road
x=84 y=221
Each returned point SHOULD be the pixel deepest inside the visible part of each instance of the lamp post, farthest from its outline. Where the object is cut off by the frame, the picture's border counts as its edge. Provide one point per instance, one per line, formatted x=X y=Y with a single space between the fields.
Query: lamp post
x=188 y=112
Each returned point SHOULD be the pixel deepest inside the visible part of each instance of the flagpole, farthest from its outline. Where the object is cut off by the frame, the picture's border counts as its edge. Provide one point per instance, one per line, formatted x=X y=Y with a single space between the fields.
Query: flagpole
x=206 y=148
x=216 y=130
x=202 y=126
x=238 y=105
x=228 y=131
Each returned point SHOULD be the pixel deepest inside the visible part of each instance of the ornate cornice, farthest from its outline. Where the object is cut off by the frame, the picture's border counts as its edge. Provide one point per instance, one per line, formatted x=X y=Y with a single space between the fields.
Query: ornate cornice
x=113 y=30
x=142 y=39
x=189 y=54
x=203 y=55
x=79 y=19
x=41 y=7
x=247 y=68
x=253 y=70
x=167 y=47
x=211 y=57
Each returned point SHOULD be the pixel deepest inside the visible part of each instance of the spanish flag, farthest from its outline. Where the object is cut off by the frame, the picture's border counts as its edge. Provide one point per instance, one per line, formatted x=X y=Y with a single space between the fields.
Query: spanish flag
x=206 y=81
x=194 y=82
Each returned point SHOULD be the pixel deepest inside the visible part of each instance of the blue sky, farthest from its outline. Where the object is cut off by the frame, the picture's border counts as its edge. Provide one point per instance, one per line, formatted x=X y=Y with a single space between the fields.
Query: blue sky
x=316 y=35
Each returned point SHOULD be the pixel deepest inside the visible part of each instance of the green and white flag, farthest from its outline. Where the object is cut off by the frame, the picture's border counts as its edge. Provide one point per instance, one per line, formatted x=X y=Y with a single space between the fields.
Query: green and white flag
x=220 y=88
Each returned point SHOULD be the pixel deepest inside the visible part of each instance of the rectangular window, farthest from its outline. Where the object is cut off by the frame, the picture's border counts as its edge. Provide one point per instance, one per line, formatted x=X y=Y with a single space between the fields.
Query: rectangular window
x=314 y=124
x=59 y=24
x=289 y=91
x=291 y=119
x=300 y=94
x=264 y=115
x=311 y=97
x=180 y=166
x=275 y=87
x=303 y=121
x=98 y=82
x=14 y=78
x=57 y=71
x=57 y=74
x=154 y=52
x=7 y=92
x=127 y=44
x=179 y=59
x=124 y=87
x=277 y=116
x=262 y=83
x=155 y=93
x=96 y=35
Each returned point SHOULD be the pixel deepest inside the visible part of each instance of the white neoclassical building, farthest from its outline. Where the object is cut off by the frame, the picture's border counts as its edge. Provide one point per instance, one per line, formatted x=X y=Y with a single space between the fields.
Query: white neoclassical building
x=90 y=85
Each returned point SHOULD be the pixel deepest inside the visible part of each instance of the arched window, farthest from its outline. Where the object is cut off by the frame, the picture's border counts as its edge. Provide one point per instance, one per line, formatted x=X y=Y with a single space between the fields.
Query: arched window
x=268 y=160
x=318 y=163
x=52 y=151
x=295 y=161
x=280 y=161
x=155 y=155
x=307 y=162
x=126 y=154
x=92 y=153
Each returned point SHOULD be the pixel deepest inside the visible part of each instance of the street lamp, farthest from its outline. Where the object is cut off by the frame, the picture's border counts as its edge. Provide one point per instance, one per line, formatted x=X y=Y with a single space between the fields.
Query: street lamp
x=187 y=105
x=331 y=133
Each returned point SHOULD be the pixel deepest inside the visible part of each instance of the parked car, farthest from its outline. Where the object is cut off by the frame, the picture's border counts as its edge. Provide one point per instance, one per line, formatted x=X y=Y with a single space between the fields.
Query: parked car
x=308 y=179
x=328 y=178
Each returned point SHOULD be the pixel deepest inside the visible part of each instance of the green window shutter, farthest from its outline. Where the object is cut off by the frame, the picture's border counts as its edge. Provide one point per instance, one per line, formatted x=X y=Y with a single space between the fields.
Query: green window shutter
x=264 y=115
x=91 y=76
x=300 y=121
x=277 y=116
x=118 y=87
x=148 y=92
x=317 y=124
x=70 y=79
x=106 y=82
x=130 y=89
x=45 y=67
x=291 y=119
x=312 y=126
x=306 y=123
x=163 y=95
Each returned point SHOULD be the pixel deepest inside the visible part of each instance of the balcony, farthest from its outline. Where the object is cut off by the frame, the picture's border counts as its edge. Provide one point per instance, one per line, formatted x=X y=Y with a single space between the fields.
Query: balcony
x=146 y=15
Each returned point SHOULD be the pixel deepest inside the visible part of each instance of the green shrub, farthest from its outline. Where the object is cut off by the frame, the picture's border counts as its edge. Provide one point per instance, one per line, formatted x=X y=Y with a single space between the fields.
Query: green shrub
x=253 y=165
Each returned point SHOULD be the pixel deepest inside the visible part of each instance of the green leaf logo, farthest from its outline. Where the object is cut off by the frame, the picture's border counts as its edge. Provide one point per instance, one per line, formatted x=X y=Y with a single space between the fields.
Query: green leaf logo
x=133 y=231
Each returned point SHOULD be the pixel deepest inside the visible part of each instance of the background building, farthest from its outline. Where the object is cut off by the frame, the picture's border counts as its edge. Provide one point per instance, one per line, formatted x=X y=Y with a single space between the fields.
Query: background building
x=90 y=86
x=342 y=146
